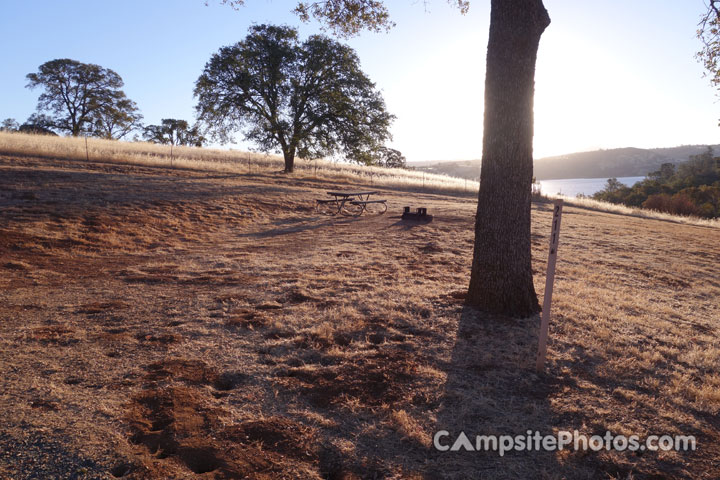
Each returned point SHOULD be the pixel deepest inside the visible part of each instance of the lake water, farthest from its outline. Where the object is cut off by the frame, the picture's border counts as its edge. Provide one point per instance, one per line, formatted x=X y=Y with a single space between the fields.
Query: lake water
x=587 y=186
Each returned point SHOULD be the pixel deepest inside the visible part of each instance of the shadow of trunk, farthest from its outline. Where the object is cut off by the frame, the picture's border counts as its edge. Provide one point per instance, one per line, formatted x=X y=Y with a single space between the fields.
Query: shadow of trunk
x=492 y=389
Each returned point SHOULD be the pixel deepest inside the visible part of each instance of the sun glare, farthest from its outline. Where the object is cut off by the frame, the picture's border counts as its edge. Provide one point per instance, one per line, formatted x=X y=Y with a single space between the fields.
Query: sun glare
x=587 y=98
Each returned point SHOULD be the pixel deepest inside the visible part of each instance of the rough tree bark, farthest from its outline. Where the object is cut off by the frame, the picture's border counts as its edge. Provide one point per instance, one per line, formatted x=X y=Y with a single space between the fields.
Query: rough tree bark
x=501 y=278
x=289 y=156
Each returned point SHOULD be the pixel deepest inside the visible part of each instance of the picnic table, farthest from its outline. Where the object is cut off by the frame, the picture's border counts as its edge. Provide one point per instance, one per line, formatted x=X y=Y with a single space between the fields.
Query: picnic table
x=351 y=203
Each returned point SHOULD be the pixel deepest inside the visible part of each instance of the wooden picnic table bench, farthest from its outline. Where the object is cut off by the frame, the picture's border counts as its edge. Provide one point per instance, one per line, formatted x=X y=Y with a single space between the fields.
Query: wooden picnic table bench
x=360 y=201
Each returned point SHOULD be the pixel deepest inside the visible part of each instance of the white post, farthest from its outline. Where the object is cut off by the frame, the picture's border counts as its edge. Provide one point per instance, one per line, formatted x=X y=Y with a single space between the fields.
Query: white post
x=549 y=281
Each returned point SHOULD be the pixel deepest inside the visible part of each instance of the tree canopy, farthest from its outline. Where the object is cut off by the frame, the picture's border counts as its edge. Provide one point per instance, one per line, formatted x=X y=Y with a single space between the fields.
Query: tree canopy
x=300 y=98
x=347 y=18
x=174 y=132
x=81 y=98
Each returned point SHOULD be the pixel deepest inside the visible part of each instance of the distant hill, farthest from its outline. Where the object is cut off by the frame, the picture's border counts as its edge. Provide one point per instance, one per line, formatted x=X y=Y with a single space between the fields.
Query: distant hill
x=462 y=168
x=618 y=162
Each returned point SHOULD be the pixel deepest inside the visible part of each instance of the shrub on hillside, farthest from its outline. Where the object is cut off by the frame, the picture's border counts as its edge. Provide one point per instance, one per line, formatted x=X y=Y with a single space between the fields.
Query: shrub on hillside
x=678 y=204
x=693 y=188
x=36 y=129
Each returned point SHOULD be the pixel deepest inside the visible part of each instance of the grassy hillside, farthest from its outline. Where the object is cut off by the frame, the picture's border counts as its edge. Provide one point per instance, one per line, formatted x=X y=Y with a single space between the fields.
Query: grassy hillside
x=225 y=161
x=619 y=162
x=183 y=323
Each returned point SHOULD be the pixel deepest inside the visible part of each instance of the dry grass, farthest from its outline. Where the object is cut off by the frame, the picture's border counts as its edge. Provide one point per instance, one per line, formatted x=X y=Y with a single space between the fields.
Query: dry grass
x=601 y=206
x=193 y=324
x=224 y=161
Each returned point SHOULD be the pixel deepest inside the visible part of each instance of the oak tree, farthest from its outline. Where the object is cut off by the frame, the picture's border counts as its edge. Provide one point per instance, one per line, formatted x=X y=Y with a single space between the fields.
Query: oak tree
x=82 y=98
x=300 y=98
x=391 y=158
x=9 y=125
x=172 y=131
x=501 y=278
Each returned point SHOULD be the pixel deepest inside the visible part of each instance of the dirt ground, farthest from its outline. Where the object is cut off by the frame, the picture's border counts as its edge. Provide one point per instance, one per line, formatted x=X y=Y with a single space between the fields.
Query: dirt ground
x=164 y=323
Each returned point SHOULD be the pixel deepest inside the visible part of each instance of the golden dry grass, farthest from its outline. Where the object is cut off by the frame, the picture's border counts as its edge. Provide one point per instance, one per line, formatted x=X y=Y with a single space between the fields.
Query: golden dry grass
x=195 y=324
x=224 y=161
x=601 y=206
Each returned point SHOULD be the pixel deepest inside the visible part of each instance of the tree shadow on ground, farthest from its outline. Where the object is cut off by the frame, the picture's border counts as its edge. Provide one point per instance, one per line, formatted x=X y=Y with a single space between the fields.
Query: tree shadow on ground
x=409 y=224
x=299 y=226
x=492 y=389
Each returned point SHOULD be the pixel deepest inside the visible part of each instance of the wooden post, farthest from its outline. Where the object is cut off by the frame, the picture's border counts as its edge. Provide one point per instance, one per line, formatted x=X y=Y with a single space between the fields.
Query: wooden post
x=171 y=154
x=87 y=153
x=549 y=281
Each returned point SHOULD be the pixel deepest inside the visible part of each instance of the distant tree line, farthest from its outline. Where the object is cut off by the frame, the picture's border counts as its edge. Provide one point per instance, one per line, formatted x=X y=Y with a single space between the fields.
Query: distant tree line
x=690 y=188
x=306 y=98
x=86 y=99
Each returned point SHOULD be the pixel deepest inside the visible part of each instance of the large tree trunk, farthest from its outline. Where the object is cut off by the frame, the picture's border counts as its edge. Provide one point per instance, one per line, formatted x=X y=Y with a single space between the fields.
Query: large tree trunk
x=501 y=279
x=289 y=156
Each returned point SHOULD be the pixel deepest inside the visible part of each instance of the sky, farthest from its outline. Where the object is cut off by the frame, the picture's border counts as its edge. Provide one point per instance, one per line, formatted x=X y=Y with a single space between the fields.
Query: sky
x=609 y=74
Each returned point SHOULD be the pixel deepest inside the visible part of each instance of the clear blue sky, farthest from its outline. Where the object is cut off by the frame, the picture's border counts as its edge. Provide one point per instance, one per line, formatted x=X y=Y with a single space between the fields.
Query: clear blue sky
x=610 y=74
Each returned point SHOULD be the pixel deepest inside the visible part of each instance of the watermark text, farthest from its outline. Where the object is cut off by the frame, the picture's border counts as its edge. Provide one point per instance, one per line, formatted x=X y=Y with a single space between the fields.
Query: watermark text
x=562 y=440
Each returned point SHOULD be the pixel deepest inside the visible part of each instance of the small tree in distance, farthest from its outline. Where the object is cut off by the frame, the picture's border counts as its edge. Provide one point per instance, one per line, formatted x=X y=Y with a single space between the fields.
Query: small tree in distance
x=174 y=132
x=381 y=156
x=81 y=98
x=391 y=158
x=9 y=125
x=38 y=124
x=309 y=99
